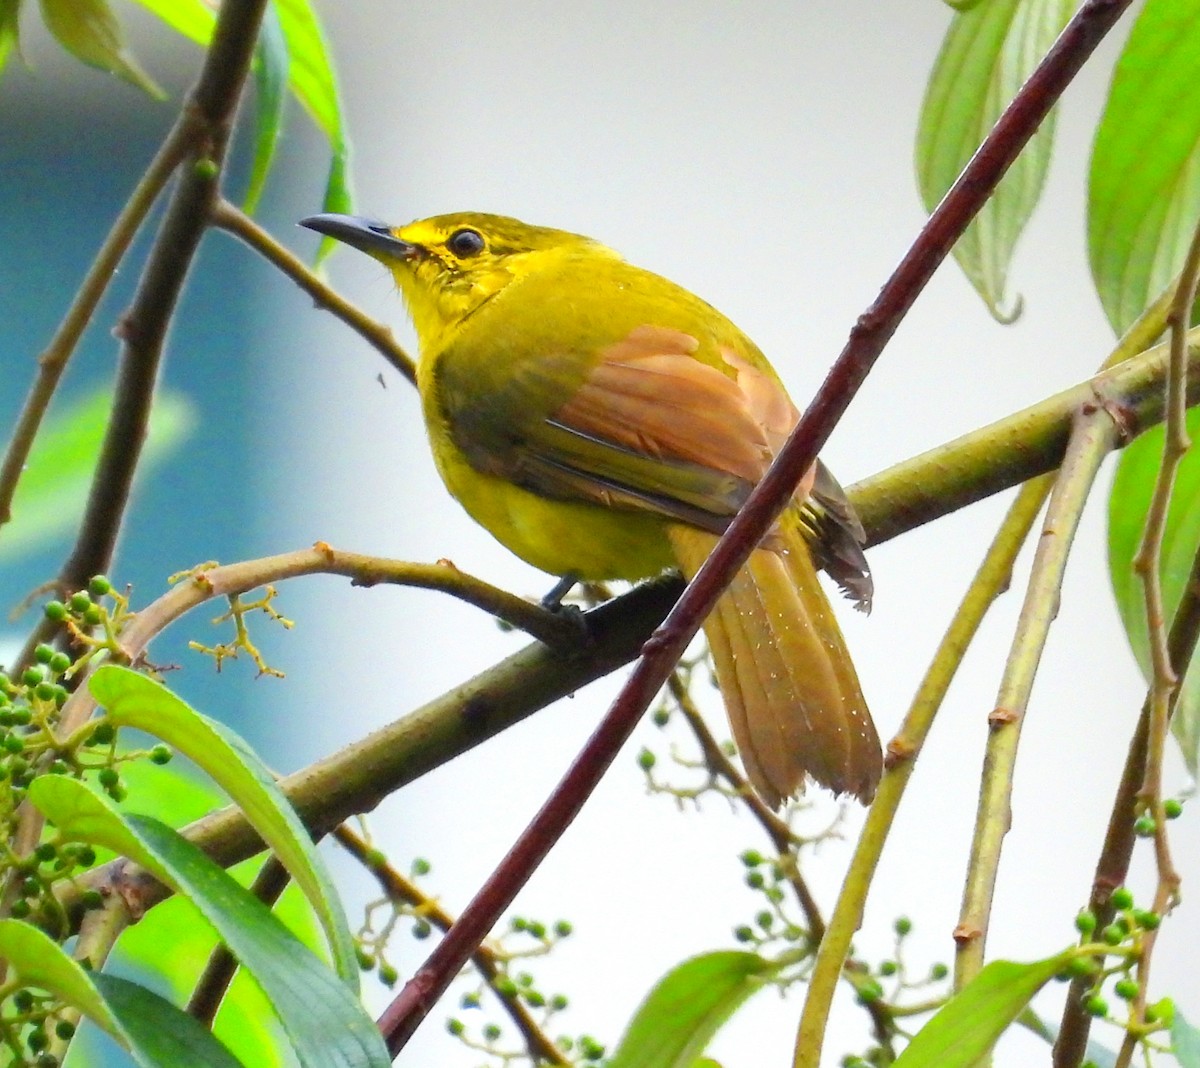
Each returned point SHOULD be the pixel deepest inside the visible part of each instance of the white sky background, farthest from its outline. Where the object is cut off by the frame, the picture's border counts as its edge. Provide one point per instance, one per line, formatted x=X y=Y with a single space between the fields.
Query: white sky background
x=761 y=156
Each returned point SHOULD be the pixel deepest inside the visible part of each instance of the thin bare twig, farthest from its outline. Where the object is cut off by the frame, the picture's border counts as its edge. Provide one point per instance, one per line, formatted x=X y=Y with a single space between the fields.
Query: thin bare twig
x=227 y=217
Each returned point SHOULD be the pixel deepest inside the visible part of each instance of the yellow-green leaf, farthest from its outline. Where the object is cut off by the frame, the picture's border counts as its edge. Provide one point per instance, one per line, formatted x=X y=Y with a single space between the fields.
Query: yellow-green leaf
x=10 y=11
x=89 y=31
x=194 y=19
x=1144 y=182
x=989 y=51
x=964 y=1029
x=134 y=700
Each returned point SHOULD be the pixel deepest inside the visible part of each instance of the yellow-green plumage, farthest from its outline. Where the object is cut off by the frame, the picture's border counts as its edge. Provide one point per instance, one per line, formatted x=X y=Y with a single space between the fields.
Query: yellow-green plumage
x=605 y=423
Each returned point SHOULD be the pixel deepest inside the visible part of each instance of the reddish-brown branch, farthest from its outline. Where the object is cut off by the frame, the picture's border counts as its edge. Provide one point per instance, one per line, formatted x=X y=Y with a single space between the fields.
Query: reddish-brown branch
x=867 y=339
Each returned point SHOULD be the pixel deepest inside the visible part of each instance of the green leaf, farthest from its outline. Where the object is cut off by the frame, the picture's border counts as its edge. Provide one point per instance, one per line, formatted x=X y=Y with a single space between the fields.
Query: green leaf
x=1133 y=486
x=310 y=72
x=964 y=1029
x=90 y=32
x=134 y=700
x=192 y=18
x=158 y=1034
x=323 y=1018
x=688 y=1006
x=988 y=53
x=963 y=5
x=53 y=489
x=1144 y=185
x=270 y=79
x=1185 y=1041
x=10 y=11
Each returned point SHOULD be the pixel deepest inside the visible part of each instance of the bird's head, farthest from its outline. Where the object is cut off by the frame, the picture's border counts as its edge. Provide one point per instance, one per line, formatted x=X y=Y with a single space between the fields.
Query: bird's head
x=449 y=265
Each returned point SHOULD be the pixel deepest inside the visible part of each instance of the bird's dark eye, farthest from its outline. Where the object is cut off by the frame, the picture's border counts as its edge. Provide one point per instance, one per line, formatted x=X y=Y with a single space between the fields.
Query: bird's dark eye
x=465 y=242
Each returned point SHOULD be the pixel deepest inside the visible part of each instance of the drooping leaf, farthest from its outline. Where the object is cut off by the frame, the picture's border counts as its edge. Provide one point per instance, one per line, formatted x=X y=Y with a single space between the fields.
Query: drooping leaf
x=10 y=11
x=968 y=1025
x=989 y=51
x=90 y=32
x=53 y=489
x=1185 y=1041
x=687 y=1007
x=270 y=80
x=152 y=1029
x=194 y=19
x=1128 y=502
x=136 y=701
x=1144 y=182
x=321 y=1014
x=310 y=72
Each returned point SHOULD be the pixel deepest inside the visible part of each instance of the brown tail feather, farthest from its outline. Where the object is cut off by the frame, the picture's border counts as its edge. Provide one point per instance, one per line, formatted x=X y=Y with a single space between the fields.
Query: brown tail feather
x=791 y=693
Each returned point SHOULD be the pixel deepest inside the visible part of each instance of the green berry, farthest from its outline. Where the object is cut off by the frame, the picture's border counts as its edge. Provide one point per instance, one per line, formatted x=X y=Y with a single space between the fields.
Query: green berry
x=46 y=1060
x=765 y=920
x=1172 y=808
x=22 y=1001
x=44 y=691
x=534 y=999
x=91 y=899
x=31 y=676
x=103 y=733
x=902 y=926
x=755 y=880
x=646 y=760
x=93 y=615
x=64 y=1029
x=161 y=754
x=86 y=856
x=1113 y=935
x=22 y=716
x=109 y=777
x=559 y=1002
x=59 y=663
x=504 y=986
x=55 y=611
x=888 y=968
x=491 y=1032
x=1144 y=826
x=420 y=866
x=518 y=923
x=661 y=717
x=99 y=586
x=1122 y=898
x=1082 y=967
x=80 y=602
x=469 y=1001
x=538 y=930
x=752 y=858
x=46 y=852
x=1085 y=922
x=455 y=1027
x=14 y=743
x=869 y=992
x=43 y=653
x=743 y=933
x=1095 y=1005
x=421 y=930
x=1147 y=920
x=563 y=928
x=20 y=909
x=388 y=975
x=365 y=958
x=1126 y=989
x=37 y=1040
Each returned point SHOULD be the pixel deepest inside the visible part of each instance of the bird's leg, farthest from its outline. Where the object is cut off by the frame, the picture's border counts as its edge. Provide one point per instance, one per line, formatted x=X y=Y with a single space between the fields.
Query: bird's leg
x=553 y=601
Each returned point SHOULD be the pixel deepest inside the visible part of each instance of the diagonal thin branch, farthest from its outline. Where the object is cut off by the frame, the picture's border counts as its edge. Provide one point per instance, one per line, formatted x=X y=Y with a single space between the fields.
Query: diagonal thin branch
x=867 y=339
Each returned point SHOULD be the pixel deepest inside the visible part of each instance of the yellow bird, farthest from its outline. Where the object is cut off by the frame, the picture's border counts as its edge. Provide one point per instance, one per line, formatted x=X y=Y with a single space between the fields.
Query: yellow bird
x=604 y=423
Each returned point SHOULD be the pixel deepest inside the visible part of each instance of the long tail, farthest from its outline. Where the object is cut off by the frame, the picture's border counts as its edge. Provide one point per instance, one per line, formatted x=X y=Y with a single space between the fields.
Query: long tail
x=790 y=689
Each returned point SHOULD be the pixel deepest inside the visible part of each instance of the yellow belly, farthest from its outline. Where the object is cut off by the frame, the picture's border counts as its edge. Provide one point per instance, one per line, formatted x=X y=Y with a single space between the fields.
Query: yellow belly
x=560 y=537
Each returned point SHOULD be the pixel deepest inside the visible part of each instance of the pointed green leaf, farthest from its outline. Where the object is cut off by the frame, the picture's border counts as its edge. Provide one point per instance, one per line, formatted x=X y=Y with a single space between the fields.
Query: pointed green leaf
x=1185 y=1042
x=192 y=18
x=688 y=1006
x=10 y=11
x=1133 y=486
x=53 y=489
x=270 y=80
x=1144 y=184
x=321 y=1014
x=988 y=53
x=134 y=700
x=155 y=1032
x=310 y=72
x=90 y=32
x=964 y=1029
